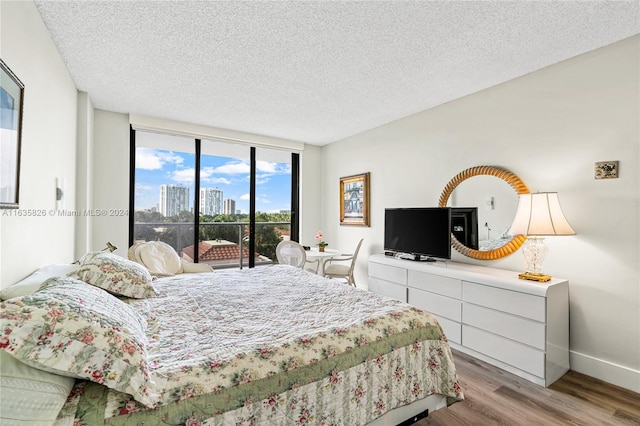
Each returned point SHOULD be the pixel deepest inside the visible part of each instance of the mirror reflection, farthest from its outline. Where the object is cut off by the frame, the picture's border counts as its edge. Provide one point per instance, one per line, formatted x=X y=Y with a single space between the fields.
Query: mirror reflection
x=483 y=209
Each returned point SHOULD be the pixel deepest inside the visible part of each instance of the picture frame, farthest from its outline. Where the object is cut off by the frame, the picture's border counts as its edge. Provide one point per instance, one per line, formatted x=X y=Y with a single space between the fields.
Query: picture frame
x=11 y=105
x=354 y=200
x=607 y=169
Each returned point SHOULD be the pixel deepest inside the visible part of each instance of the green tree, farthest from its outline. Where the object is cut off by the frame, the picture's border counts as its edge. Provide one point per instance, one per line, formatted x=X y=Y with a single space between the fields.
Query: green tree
x=144 y=216
x=145 y=233
x=266 y=240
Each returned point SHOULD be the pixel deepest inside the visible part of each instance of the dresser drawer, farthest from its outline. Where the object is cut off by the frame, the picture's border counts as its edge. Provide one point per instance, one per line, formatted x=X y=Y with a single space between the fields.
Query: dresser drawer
x=452 y=329
x=445 y=286
x=522 y=330
x=388 y=289
x=388 y=273
x=436 y=304
x=513 y=302
x=513 y=353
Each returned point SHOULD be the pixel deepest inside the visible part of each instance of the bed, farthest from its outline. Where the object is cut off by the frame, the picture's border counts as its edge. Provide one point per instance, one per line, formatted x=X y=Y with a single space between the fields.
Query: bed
x=262 y=346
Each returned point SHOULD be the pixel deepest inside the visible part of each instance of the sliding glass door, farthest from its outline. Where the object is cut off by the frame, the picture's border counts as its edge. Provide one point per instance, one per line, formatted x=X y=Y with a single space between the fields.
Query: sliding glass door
x=273 y=201
x=224 y=210
x=163 y=190
x=220 y=203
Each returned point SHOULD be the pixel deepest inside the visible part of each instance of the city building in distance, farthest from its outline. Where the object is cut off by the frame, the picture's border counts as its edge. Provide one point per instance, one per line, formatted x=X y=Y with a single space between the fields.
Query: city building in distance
x=173 y=200
x=229 y=206
x=210 y=201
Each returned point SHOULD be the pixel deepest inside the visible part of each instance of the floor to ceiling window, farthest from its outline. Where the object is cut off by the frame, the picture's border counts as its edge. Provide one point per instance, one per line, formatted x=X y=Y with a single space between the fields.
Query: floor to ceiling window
x=163 y=189
x=220 y=203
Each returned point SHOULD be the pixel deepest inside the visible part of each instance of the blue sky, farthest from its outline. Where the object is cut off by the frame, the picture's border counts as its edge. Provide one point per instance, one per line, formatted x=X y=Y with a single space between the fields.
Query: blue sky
x=155 y=167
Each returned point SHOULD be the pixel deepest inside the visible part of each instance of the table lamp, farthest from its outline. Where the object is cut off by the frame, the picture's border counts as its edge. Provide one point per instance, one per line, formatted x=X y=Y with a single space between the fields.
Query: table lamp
x=538 y=215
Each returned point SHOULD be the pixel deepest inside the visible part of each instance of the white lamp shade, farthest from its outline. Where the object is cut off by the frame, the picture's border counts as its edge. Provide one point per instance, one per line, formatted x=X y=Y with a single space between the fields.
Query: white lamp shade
x=540 y=214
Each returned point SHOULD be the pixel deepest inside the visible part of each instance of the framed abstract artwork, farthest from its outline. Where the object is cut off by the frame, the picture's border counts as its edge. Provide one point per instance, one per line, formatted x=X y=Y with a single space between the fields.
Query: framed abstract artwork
x=11 y=100
x=354 y=200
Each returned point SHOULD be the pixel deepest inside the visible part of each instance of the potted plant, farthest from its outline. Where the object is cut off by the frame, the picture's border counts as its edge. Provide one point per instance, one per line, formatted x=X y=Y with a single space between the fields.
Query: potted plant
x=321 y=244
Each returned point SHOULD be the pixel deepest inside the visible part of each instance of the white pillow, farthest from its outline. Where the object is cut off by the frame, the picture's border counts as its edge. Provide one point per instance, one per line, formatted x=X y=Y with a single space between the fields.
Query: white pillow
x=30 y=396
x=33 y=281
x=159 y=258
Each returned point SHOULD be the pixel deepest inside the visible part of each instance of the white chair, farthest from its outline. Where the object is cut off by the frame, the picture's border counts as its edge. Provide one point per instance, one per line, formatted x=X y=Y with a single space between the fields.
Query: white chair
x=292 y=253
x=332 y=270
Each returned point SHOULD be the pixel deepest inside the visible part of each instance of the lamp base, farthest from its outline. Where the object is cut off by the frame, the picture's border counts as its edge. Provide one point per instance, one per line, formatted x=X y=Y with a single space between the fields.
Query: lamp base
x=534 y=277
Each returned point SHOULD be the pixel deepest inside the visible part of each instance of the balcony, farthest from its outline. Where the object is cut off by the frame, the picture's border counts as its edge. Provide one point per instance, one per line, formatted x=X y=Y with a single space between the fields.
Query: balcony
x=221 y=244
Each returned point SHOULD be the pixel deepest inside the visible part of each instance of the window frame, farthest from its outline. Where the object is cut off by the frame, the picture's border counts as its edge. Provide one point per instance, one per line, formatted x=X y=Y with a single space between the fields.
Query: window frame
x=295 y=194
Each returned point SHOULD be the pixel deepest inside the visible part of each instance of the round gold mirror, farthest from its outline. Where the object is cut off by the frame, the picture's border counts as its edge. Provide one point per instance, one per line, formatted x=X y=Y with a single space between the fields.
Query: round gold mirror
x=496 y=248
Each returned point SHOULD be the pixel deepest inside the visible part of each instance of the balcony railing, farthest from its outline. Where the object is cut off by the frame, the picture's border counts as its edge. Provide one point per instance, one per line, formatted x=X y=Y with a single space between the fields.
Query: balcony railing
x=221 y=244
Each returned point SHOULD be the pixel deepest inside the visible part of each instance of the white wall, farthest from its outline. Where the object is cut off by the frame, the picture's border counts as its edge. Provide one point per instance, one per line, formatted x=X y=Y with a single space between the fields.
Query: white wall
x=84 y=174
x=110 y=180
x=548 y=127
x=311 y=182
x=48 y=147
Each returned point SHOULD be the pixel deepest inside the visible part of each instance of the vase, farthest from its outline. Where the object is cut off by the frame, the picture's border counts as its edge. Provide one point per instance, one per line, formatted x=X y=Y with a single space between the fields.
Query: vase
x=321 y=248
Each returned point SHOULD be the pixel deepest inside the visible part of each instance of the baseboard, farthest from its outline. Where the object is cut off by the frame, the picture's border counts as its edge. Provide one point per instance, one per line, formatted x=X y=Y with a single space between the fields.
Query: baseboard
x=606 y=371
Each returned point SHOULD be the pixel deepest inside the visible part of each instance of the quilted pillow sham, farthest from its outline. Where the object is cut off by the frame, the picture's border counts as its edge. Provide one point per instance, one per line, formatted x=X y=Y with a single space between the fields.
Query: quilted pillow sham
x=77 y=330
x=115 y=274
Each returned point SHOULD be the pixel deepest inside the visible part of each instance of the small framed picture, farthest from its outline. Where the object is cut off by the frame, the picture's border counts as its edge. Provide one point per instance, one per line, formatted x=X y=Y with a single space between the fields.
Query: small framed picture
x=354 y=200
x=606 y=170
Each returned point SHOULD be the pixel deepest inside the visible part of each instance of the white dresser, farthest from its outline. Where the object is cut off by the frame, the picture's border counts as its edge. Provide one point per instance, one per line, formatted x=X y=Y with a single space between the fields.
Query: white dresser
x=520 y=326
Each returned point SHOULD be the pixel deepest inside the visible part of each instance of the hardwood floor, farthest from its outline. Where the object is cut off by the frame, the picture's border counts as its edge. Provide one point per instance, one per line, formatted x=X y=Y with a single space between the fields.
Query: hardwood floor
x=495 y=397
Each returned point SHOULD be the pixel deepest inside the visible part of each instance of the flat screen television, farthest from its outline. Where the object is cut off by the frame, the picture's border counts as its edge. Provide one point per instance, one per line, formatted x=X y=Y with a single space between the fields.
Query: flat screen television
x=423 y=233
x=464 y=225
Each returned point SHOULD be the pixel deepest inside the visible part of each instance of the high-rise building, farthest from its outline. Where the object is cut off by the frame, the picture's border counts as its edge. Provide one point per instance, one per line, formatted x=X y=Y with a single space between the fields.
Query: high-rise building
x=210 y=201
x=173 y=199
x=229 y=206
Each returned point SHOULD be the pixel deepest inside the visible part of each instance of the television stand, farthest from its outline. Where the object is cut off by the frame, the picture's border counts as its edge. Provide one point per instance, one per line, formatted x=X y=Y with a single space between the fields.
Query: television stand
x=518 y=325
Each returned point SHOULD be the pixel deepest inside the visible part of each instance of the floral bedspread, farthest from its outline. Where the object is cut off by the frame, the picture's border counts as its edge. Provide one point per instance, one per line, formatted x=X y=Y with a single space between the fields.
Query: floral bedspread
x=275 y=345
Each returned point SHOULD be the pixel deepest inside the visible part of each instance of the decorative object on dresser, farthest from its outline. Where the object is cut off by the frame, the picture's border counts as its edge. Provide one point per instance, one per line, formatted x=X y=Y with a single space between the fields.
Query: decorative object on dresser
x=505 y=243
x=354 y=200
x=538 y=215
x=519 y=326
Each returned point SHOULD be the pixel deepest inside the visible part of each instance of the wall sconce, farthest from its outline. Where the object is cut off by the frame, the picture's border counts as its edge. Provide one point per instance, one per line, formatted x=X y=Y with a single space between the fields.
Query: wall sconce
x=59 y=193
x=538 y=215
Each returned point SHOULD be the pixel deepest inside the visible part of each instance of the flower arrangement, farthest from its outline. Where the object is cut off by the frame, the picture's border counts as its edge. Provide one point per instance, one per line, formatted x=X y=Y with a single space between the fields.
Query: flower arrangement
x=321 y=244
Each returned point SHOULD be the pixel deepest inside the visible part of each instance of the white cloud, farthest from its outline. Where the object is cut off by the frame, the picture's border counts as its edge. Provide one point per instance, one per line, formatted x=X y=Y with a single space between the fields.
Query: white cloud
x=151 y=159
x=266 y=167
x=259 y=199
x=235 y=168
x=142 y=189
x=207 y=175
x=185 y=176
x=242 y=167
x=217 y=181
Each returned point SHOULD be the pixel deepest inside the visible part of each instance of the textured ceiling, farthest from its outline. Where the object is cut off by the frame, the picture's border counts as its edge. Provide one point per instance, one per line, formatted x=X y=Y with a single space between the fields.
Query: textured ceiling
x=315 y=72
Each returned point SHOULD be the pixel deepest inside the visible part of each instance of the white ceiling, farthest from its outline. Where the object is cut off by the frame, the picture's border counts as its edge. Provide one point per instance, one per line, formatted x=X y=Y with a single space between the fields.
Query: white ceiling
x=316 y=71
